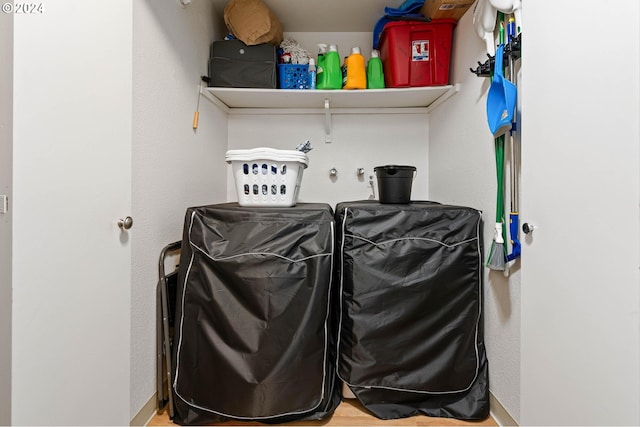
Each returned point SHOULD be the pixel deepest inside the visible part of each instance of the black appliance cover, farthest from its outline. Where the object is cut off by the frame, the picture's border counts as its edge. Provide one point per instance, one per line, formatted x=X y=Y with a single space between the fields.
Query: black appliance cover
x=253 y=335
x=410 y=328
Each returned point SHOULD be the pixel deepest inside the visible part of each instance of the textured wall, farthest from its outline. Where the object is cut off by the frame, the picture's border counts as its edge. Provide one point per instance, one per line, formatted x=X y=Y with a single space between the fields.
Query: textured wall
x=359 y=141
x=173 y=166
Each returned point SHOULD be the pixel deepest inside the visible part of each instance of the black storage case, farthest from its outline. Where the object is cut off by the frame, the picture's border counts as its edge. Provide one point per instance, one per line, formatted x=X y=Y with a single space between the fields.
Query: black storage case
x=234 y=64
x=253 y=335
x=410 y=324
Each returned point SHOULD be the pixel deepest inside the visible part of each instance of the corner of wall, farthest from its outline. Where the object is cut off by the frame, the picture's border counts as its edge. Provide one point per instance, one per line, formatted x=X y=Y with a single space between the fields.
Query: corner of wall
x=500 y=414
x=462 y=171
x=174 y=166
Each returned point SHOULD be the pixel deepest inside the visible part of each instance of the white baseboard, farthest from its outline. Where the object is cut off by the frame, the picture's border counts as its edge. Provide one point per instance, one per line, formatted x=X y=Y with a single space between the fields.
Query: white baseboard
x=499 y=413
x=145 y=413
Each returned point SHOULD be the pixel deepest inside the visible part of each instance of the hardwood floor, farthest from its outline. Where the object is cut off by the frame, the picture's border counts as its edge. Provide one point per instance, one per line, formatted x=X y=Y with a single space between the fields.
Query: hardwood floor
x=349 y=413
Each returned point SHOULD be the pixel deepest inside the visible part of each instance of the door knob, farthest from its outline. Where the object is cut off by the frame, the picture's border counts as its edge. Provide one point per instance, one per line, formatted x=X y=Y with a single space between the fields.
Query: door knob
x=527 y=228
x=126 y=223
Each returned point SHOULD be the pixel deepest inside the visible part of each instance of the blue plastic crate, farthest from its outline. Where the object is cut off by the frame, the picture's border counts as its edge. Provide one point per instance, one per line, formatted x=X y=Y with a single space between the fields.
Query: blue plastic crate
x=293 y=76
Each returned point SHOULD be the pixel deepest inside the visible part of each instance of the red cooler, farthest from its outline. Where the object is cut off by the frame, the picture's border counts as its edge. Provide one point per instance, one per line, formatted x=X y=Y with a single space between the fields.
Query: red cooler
x=416 y=53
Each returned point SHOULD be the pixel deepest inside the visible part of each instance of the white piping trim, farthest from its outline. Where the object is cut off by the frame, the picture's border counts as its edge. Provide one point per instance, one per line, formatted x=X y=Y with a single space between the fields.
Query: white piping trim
x=326 y=326
x=184 y=290
x=225 y=258
x=344 y=220
x=477 y=371
x=399 y=239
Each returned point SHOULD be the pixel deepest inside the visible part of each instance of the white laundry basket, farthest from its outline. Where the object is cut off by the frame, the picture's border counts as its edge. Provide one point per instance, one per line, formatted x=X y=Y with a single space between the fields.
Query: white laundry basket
x=266 y=176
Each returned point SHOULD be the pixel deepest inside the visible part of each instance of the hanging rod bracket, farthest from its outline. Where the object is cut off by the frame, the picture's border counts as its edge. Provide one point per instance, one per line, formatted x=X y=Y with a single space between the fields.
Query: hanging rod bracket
x=327 y=121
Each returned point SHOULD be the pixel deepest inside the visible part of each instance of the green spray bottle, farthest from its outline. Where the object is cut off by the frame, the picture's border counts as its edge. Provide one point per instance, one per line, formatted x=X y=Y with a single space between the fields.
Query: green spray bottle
x=321 y=76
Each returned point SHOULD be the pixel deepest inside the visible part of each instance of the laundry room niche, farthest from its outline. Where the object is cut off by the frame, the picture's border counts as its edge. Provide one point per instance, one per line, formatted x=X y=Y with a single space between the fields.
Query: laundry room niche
x=351 y=131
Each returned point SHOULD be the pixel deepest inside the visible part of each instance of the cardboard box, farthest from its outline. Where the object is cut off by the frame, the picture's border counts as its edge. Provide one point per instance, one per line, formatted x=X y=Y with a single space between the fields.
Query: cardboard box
x=439 y=9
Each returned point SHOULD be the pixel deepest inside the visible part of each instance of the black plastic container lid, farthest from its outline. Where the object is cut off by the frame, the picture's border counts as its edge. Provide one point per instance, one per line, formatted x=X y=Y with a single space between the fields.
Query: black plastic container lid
x=394 y=169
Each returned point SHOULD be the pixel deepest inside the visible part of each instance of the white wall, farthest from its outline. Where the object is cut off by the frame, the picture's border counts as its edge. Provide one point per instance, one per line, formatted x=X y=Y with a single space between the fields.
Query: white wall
x=358 y=141
x=462 y=171
x=345 y=41
x=6 y=184
x=173 y=166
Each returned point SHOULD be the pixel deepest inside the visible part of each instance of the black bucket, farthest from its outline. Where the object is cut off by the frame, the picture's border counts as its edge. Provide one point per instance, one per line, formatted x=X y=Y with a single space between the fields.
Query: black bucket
x=394 y=183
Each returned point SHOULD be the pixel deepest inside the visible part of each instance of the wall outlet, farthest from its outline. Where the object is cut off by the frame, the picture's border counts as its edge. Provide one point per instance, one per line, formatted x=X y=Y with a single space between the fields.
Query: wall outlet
x=4 y=204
